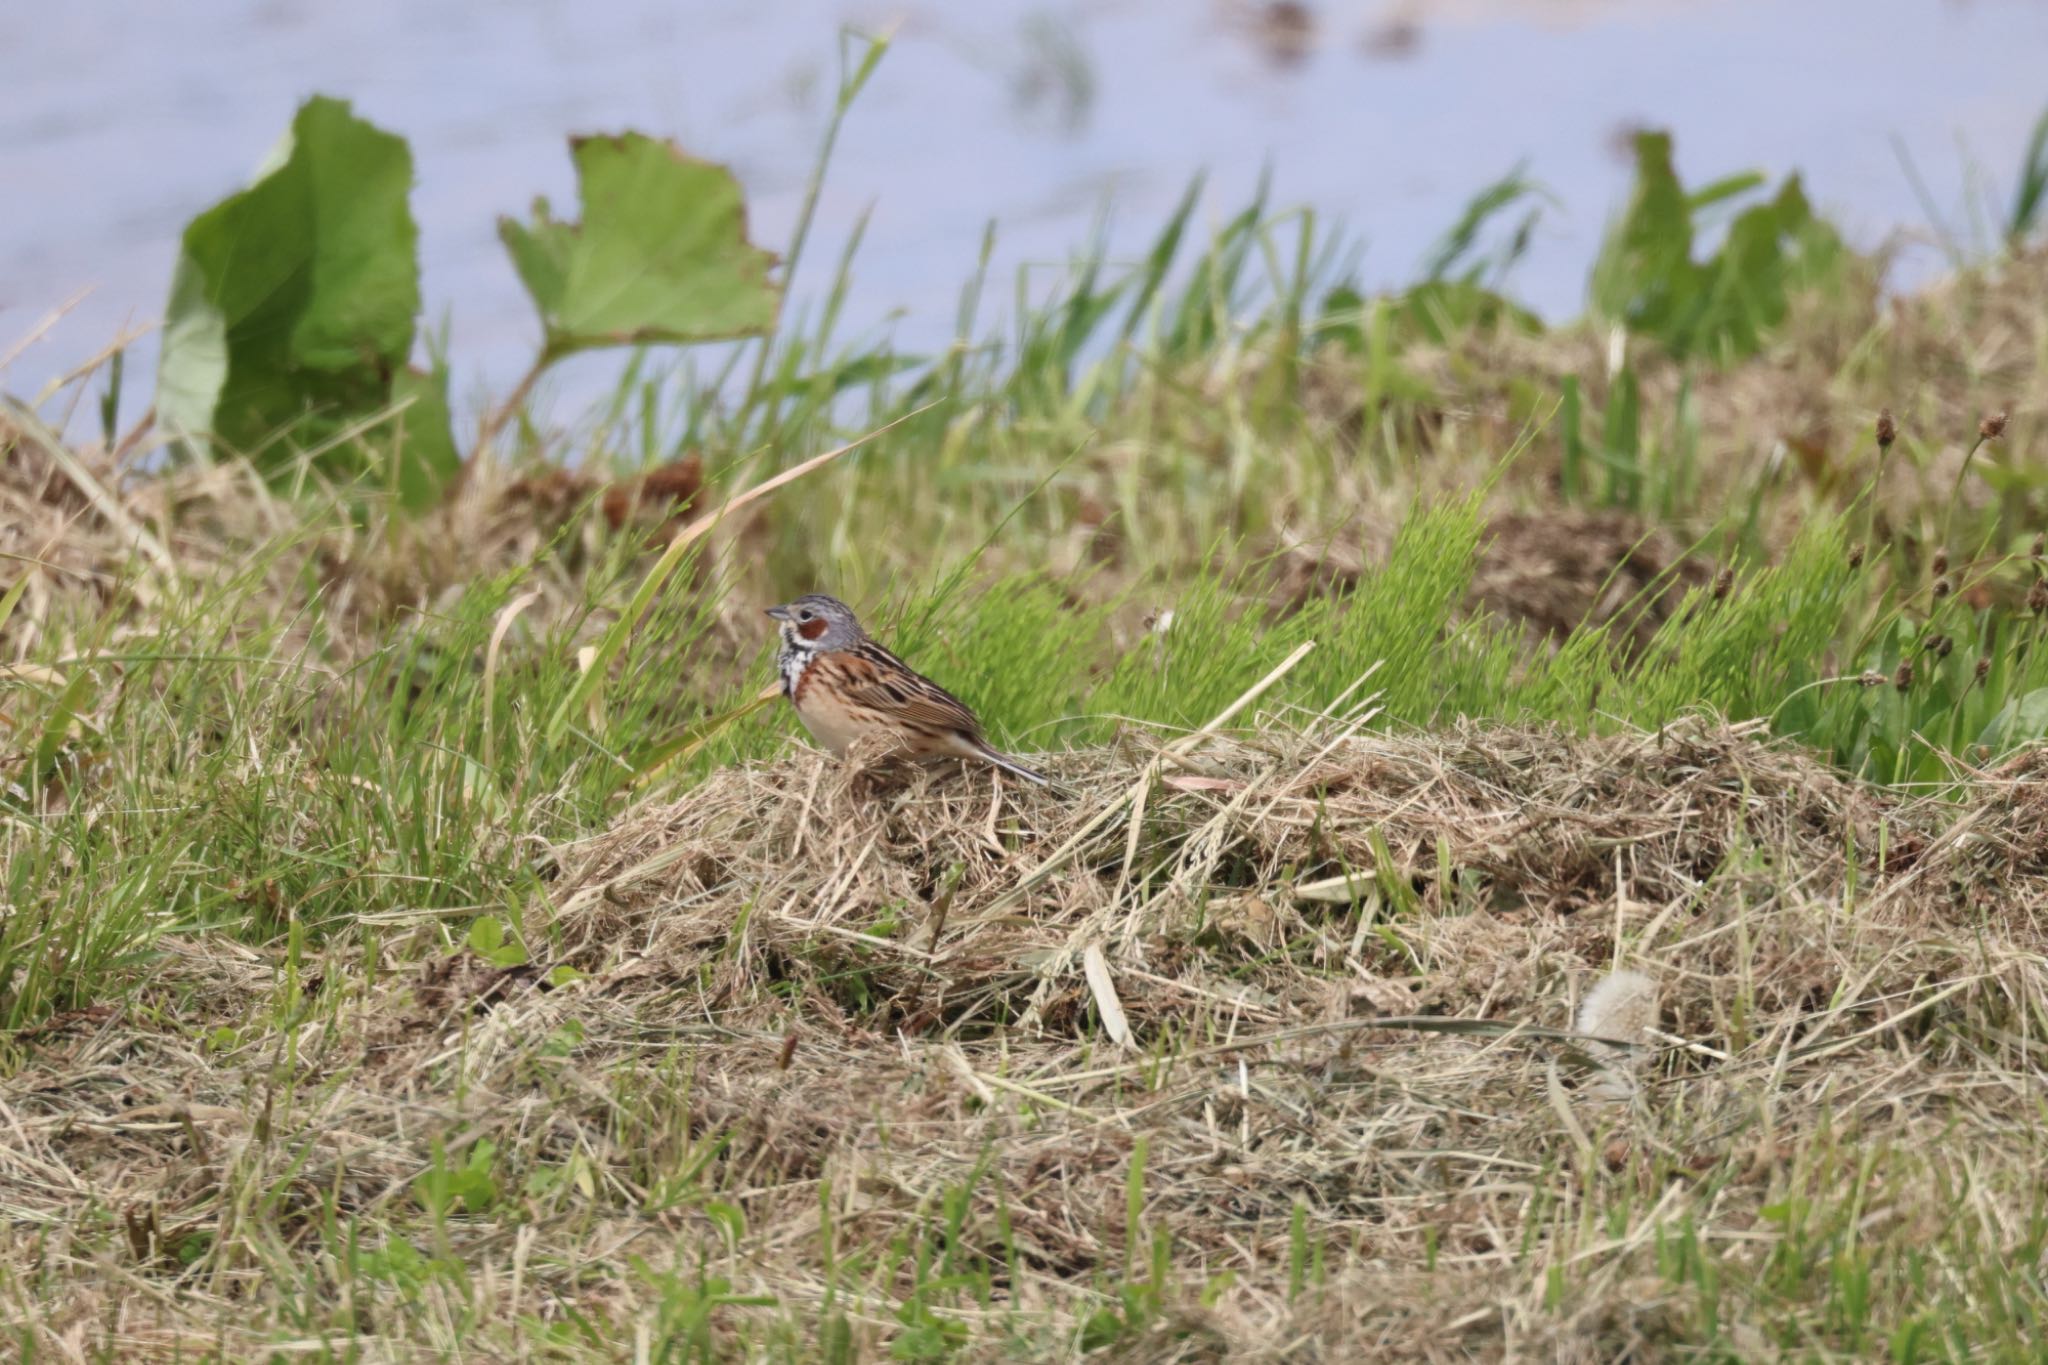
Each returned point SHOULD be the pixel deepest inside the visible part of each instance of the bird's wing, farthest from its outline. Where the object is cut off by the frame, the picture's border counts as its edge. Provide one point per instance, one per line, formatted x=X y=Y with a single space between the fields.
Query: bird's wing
x=870 y=676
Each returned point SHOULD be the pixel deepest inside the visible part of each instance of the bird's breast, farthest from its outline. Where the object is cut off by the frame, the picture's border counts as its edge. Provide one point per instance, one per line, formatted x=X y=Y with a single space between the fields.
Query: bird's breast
x=824 y=708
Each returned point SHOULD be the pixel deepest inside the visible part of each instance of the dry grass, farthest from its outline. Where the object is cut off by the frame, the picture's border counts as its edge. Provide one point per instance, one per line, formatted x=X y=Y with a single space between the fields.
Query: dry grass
x=93 y=534
x=888 y=1084
x=1791 y=426
x=1268 y=1058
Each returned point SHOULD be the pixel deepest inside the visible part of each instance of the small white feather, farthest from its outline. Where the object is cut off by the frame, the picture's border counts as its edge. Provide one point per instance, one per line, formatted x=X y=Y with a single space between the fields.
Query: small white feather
x=1621 y=1007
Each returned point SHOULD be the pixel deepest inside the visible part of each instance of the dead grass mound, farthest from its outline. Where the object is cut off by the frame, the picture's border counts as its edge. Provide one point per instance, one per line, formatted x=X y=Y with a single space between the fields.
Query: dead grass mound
x=894 y=994
x=1267 y=844
x=1305 y=1030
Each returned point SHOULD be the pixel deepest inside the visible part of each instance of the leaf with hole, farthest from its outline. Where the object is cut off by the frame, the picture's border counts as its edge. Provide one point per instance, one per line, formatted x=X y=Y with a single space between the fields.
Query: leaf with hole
x=661 y=254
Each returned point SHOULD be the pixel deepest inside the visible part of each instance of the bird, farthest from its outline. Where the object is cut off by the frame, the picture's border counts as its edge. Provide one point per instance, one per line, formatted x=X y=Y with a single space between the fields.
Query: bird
x=847 y=689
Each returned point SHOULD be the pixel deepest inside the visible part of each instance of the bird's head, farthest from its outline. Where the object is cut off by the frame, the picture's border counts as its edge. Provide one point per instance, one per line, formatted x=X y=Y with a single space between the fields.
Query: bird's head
x=816 y=622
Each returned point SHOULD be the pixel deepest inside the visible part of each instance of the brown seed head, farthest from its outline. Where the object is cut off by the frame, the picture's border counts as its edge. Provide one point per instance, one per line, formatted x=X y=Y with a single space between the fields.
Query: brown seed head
x=1992 y=427
x=1903 y=679
x=1940 y=645
x=1887 y=429
x=2037 y=597
x=1871 y=678
x=1940 y=565
x=1942 y=588
x=1723 y=581
x=1856 y=555
x=1983 y=667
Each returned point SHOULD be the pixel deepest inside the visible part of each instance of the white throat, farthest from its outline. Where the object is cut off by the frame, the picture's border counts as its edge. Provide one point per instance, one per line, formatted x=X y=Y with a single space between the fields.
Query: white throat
x=795 y=657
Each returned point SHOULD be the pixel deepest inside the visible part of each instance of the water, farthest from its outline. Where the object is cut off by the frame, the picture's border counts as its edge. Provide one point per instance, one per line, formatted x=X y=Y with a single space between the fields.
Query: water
x=121 y=120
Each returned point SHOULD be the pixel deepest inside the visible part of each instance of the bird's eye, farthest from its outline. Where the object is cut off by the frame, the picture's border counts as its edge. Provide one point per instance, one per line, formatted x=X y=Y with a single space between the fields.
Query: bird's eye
x=805 y=615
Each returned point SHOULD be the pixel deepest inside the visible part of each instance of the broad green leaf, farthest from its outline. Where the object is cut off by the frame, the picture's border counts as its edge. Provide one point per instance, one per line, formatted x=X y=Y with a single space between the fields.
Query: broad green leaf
x=2019 y=721
x=1747 y=288
x=292 y=310
x=1645 y=275
x=486 y=936
x=194 y=365
x=1727 y=305
x=487 y=939
x=660 y=256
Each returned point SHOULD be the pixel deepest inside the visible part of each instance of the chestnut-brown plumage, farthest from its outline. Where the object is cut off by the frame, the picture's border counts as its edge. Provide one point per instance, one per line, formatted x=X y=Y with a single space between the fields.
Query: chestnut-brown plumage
x=846 y=689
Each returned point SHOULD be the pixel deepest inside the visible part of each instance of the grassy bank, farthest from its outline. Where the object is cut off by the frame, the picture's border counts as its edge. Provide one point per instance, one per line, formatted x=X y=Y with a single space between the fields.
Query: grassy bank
x=417 y=944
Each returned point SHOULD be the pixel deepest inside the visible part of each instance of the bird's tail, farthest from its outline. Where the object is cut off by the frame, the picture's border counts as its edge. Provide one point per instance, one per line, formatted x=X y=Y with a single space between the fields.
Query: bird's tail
x=1011 y=765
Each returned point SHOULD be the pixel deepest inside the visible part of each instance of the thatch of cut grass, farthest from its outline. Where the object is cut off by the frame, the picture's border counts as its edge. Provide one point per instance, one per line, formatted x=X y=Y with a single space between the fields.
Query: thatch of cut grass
x=794 y=1040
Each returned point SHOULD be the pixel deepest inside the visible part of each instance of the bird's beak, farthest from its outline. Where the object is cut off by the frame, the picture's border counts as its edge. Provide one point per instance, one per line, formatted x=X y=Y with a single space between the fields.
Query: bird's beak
x=779 y=613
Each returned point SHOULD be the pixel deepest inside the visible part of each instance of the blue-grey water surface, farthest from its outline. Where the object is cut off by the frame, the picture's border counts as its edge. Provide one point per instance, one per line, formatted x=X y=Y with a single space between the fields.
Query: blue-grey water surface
x=121 y=119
